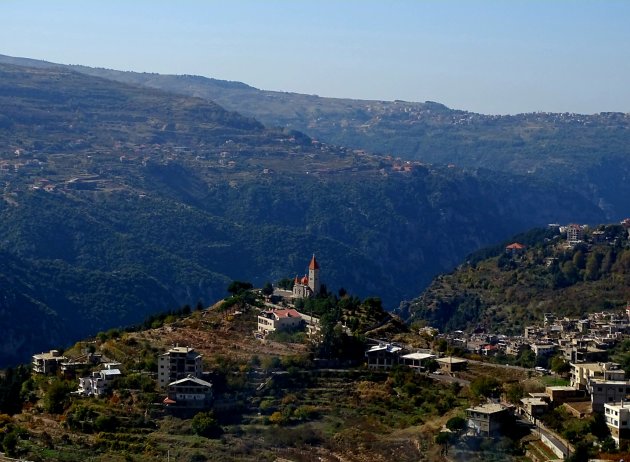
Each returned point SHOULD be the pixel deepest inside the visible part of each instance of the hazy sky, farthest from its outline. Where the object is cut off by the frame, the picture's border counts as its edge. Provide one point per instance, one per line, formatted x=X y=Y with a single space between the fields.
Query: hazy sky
x=503 y=56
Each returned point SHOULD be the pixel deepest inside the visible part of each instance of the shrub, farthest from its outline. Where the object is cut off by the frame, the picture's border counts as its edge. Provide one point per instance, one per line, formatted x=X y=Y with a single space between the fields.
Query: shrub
x=204 y=424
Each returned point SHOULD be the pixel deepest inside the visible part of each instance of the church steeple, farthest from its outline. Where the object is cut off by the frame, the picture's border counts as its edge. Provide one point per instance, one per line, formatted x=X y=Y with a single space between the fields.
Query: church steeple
x=313 y=275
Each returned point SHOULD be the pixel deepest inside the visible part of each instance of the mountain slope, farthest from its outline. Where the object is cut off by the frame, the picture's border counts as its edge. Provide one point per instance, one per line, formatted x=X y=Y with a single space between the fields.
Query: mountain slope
x=588 y=153
x=503 y=293
x=122 y=201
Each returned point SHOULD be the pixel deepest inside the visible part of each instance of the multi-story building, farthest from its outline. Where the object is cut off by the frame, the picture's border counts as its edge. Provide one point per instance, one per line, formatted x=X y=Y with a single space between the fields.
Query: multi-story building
x=177 y=363
x=618 y=420
x=583 y=372
x=486 y=419
x=383 y=356
x=99 y=383
x=48 y=363
x=575 y=234
x=606 y=392
x=189 y=393
x=272 y=320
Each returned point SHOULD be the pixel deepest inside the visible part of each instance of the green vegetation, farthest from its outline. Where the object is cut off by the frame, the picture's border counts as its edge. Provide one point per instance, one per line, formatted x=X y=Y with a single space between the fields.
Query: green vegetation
x=587 y=153
x=120 y=202
x=510 y=292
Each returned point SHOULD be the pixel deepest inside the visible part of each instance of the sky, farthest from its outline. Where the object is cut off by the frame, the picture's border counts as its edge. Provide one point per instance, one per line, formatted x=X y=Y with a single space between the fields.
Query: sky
x=492 y=57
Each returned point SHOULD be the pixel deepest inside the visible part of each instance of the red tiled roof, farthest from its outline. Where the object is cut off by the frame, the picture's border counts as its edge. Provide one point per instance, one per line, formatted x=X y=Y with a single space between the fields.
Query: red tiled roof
x=287 y=313
x=515 y=246
x=313 y=265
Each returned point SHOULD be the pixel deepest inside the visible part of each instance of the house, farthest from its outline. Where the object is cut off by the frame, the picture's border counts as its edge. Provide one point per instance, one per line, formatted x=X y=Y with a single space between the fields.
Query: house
x=486 y=419
x=581 y=373
x=534 y=407
x=99 y=383
x=607 y=391
x=417 y=360
x=47 y=363
x=575 y=234
x=563 y=394
x=452 y=364
x=189 y=393
x=489 y=350
x=272 y=320
x=543 y=350
x=617 y=417
x=177 y=363
x=515 y=248
x=598 y=237
x=313 y=325
x=383 y=356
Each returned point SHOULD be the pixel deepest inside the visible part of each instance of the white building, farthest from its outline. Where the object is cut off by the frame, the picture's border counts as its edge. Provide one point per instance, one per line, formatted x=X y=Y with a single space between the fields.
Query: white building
x=47 y=363
x=189 y=393
x=383 y=356
x=177 y=363
x=272 y=320
x=486 y=419
x=581 y=373
x=98 y=383
x=618 y=420
x=607 y=391
x=310 y=285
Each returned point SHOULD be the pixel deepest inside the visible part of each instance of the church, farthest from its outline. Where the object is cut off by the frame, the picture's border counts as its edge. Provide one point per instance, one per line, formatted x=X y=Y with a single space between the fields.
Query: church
x=309 y=285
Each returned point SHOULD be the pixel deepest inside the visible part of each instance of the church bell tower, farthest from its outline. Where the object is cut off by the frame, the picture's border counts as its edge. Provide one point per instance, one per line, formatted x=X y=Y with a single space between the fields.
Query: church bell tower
x=313 y=276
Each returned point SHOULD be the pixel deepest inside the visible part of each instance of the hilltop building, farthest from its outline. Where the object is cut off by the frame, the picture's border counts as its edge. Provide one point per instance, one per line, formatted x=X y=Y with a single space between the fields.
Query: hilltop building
x=618 y=420
x=99 y=383
x=486 y=419
x=309 y=285
x=575 y=234
x=272 y=320
x=189 y=393
x=48 y=363
x=516 y=248
x=178 y=363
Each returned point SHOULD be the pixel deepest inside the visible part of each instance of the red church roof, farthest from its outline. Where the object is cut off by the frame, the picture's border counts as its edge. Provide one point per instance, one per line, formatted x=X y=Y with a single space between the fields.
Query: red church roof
x=313 y=265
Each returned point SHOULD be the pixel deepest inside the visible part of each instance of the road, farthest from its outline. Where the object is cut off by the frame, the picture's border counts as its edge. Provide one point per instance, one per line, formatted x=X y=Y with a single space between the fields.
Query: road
x=536 y=428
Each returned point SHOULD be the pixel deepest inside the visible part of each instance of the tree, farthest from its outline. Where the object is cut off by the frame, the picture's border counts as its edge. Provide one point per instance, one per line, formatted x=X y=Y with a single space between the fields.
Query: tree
x=485 y=386
x=286 y=283
x=579 y=261
x=559 y=365
x=9 y=444
x=514 y=392
x=570 y=272
x=443 y=439
x=267 y=289
x=56 y=397
x=456 y=424
x=238 y=287
x=526 y=358
x=593 y=264
x=204 y=424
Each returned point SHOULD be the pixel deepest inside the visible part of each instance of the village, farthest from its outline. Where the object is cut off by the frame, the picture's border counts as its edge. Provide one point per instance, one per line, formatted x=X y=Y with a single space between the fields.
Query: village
x=580 y=346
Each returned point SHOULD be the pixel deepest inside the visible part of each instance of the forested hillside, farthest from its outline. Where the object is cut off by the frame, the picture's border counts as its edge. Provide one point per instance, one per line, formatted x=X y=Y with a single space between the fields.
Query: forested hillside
x=502 y=292
x=119 y=201
x=589 y=154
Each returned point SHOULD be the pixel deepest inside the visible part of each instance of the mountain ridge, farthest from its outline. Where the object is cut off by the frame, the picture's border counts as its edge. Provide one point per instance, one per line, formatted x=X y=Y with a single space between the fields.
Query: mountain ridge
x=590 y=153
x=101 y=179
